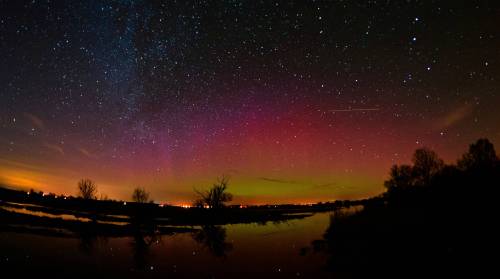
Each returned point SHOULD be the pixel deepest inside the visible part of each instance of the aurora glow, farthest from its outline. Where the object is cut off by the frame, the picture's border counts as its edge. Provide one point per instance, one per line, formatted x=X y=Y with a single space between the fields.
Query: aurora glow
x=296 y=102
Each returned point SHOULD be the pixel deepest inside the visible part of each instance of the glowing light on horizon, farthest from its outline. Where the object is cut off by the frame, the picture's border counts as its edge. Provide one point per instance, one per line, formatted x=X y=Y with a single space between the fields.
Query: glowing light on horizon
x=311 y=111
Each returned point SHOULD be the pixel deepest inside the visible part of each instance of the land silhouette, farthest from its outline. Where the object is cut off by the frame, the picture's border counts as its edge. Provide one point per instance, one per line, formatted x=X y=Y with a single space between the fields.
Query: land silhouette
x=434 y=219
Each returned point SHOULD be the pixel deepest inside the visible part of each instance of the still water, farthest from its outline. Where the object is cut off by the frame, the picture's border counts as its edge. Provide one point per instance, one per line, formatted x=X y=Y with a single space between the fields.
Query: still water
x=271 y=250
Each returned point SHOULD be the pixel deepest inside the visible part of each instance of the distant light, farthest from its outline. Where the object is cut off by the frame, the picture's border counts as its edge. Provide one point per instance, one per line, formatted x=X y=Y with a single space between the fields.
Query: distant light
x=27 y=193
x=124 y=203
x=414 y=39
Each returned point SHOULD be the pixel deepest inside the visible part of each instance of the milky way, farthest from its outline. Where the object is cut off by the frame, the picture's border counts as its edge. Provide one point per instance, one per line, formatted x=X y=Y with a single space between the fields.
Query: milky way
x=295 y=101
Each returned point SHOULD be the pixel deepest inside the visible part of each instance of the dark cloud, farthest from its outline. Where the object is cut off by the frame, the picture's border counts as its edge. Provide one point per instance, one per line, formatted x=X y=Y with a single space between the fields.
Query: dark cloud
x=282 y=181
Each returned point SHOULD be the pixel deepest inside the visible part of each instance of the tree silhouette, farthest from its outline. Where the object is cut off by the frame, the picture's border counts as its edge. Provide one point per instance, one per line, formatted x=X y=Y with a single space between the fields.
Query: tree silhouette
x=215 y=197
x=87 y=189
x=401 y=177
x=441 y=213
x=140 y=195
x=481 y=155
x=426 y=164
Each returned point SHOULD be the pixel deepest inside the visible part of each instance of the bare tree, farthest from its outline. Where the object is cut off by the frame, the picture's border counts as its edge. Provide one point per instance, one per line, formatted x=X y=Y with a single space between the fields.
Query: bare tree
x=215 y=197
x=140 y=195
x=87 y=189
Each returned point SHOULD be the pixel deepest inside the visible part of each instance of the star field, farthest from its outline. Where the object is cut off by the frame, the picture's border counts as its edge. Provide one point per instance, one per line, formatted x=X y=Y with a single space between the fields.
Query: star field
x=297 y=101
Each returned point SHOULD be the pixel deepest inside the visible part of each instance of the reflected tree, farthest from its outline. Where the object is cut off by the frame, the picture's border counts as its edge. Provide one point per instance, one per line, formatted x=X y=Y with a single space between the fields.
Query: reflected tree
x=213 y=238
x=141 y=244
x=89 y=241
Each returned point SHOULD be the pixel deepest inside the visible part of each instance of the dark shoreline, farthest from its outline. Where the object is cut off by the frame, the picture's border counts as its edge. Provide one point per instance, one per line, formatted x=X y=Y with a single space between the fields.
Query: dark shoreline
x=70 y=217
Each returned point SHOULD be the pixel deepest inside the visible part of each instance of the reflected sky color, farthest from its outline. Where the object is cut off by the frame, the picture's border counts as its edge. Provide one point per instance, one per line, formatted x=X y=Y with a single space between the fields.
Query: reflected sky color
x=271 y=250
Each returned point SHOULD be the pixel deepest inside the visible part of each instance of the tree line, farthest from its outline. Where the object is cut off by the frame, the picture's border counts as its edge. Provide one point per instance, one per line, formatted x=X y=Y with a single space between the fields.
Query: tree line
x=87 y=190
x=215 y=197
x=479 y=164
x=473 y=175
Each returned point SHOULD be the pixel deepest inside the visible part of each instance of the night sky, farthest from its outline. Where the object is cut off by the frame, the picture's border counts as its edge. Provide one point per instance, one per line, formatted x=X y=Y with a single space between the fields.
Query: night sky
x=295 y=101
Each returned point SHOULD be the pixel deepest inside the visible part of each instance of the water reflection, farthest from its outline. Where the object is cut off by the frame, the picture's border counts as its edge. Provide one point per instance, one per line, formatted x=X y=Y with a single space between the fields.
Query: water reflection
x=213 y=238
x=27 y=210
x=134 y=251
x=32 y=210
x=141 y=245
x=327 y=244
x=90 y=242
x=332 y=244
